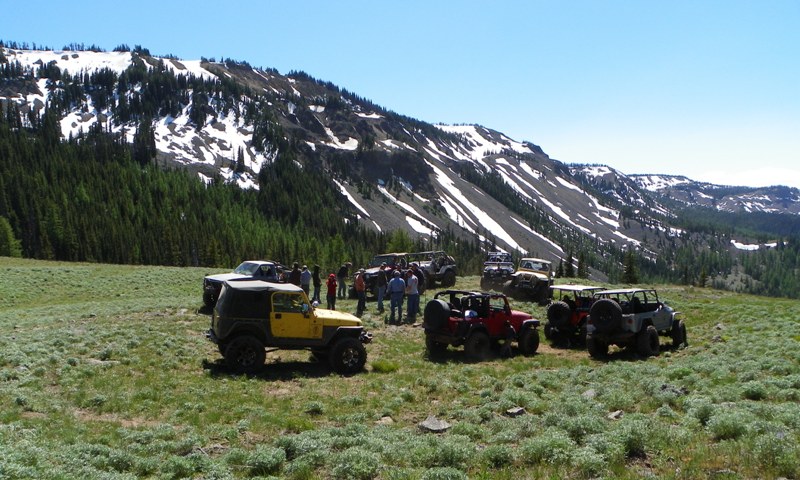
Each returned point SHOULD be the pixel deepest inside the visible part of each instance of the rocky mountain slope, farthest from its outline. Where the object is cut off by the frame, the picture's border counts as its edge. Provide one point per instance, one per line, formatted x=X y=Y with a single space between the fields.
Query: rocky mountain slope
x=396 y=172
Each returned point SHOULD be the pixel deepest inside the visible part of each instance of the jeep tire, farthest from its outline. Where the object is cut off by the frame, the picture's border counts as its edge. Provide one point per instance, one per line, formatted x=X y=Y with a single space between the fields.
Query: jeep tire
x=647 y=342
x=529 y=341
x=436 y=314
x=606 y=315
x=449 y=278
x=596 y=348
x=477 y=346
x=433 y=347
x=245 y=354
x=558 y=314
x=347 y=355
x=678 y=334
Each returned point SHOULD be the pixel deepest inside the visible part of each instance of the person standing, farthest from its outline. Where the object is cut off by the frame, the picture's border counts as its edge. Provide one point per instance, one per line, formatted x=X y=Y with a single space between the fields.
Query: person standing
x=396 y=290
x=361 y=292
x=341 y=277
x=317 y=284
x=412 y=292
x=421 y=282
x=294 y=275
x=305 y=279
x=380 y=282
x=331 y=284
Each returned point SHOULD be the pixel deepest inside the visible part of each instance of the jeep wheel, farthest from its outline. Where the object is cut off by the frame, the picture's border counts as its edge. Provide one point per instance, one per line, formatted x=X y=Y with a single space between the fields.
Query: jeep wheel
x=647 y=342
x=678 y=334
x=606 y=315
x=436 y=314
x=348 y=355
x=449 y=278
x=558 y=314
x=245 y=354
x=509 y=289
x=433 y=347
x=477 y=346
x=548 y=331
x=596 y=348
x=529 y=341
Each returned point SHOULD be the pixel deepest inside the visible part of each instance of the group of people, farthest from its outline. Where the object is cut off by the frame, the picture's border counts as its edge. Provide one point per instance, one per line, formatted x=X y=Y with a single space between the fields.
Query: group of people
x=408 y=285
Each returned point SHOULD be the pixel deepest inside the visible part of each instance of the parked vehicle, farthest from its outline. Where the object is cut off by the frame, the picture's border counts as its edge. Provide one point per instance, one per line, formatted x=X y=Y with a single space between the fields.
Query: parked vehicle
x=253 y=315
x=438 y=267
x=531 y=280
x=497 y=270
x=476 y=320
x=568 y=312
x=632 y=317
x=259 y=269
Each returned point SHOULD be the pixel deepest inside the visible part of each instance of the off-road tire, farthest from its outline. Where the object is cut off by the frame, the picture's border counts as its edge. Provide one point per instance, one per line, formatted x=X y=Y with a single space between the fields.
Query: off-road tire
x=529 y=341
x=433 y=347
x=558 y=314
x=548 y=331
x=596 y=348
x=436 y=314
x=509 y=289
x=678 y=334
x=647 y=342
x=606 y=315
x=477 y=346
x=449 y=278
x=582 y=332
x=347 y=355
x=245 y=354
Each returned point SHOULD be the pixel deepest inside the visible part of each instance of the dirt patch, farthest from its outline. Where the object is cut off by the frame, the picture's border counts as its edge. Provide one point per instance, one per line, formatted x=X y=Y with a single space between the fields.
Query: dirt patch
x=88 y=416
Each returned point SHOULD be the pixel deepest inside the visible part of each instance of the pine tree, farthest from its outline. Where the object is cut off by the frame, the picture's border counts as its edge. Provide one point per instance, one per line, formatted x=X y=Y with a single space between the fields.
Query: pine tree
x=630 y=274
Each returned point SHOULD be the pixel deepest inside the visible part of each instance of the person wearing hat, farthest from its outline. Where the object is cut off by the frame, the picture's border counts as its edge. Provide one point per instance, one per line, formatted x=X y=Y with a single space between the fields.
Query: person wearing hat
x=396 y=290
x=361 y=292
x=380 y=283
x=331 y=284
x=305 y=279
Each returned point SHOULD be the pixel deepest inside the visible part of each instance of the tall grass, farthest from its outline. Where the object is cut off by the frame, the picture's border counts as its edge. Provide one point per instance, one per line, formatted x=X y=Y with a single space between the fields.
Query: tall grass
x=105 y=373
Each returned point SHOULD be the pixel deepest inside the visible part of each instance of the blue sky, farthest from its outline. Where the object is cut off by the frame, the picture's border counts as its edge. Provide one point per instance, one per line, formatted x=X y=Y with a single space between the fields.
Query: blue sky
x=706 y=89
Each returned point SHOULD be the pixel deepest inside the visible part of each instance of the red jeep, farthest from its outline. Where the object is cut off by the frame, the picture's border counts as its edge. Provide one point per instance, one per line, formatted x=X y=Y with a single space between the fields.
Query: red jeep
x=567 y=312
x=476 y=320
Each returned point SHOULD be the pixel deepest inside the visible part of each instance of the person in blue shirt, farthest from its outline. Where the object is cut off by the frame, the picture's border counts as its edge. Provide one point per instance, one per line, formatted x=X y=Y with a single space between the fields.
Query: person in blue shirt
x=396 y=290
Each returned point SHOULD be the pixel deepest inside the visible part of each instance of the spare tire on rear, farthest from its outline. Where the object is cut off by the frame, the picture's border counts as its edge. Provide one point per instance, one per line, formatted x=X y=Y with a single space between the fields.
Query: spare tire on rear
x=606 y=315
x=436 y=314
x=558 y=314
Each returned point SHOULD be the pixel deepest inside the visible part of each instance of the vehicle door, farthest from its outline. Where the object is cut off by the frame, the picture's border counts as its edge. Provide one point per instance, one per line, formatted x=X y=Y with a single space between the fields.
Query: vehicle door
x=289 y=317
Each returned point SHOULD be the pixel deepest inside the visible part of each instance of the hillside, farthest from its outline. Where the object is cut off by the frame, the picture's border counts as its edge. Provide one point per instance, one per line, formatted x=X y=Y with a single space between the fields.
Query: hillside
x=226 y=122
x=107 y=374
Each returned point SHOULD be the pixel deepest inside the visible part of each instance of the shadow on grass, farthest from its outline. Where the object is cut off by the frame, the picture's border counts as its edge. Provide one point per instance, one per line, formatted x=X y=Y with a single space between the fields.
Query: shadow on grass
x=455 y=354
x=272 y=371
x=630 y=354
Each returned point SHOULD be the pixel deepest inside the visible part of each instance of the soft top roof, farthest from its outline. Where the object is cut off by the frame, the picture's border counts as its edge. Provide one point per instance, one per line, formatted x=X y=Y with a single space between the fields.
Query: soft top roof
x=261 y=285
x=575 y=288
x=624 y=291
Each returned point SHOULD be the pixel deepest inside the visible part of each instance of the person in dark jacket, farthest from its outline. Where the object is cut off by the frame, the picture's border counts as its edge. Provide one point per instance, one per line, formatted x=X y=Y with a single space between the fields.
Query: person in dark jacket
x=381 y=282
x=317 y=284
x=294 y=275
x=341 y=278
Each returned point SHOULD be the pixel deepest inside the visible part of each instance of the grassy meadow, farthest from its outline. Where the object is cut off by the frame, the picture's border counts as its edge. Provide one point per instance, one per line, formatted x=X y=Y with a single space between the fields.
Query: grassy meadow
x=105 y=372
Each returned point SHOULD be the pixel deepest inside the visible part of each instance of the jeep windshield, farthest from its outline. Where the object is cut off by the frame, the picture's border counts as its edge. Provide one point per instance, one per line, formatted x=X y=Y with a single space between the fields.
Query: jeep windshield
x=247 y=268
x=380 y=259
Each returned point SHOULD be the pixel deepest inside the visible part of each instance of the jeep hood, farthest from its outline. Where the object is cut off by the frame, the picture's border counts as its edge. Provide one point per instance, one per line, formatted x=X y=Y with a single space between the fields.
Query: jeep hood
x=224 y=277
x=333 y=318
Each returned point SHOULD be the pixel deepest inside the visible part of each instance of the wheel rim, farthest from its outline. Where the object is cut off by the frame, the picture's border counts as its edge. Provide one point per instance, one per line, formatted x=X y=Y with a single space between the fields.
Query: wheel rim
x=350 y=357
x=246 y=357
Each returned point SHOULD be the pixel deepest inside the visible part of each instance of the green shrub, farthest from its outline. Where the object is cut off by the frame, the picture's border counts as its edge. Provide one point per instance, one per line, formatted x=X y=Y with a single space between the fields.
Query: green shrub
x=778 y=452
x=754 y=391
x=588 y=462
x=727 y=425
x=384 y=366
x=497 y=456
x=355 y=463
x=552 y=446
x=265 y=460
x=444 y=473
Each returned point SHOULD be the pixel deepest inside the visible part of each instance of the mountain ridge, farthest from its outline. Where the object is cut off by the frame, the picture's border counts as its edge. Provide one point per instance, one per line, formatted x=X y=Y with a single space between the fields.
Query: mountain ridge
x=225 y=120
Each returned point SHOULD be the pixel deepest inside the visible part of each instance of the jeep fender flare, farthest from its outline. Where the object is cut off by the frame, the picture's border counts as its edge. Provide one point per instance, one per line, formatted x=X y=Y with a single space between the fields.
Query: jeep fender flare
x=247 y=330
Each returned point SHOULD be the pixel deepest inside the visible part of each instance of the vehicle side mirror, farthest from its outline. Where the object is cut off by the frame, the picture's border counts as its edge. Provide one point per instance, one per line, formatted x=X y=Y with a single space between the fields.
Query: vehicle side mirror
x=305 y=308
